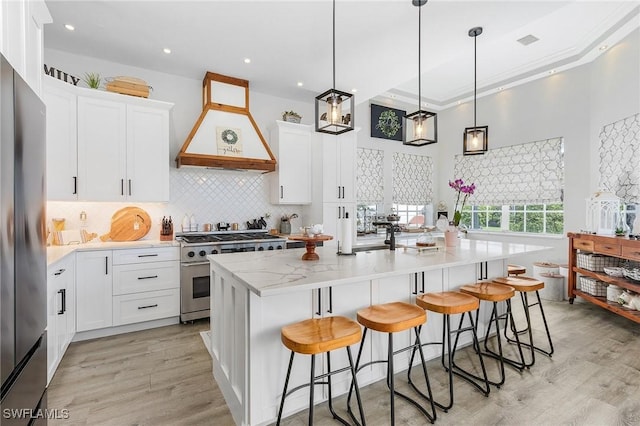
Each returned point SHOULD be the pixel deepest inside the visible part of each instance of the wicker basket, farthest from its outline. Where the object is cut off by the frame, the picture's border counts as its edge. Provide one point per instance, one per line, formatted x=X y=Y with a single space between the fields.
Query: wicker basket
x=595 y=262
x=593 y=287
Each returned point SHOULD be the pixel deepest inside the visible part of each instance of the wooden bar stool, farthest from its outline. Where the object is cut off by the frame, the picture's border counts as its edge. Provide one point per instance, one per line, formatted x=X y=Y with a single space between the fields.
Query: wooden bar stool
x=450 y=303
x=495 y=293
x=516 y=270
x=316 y=336
x=393 y=318
x=526 y=285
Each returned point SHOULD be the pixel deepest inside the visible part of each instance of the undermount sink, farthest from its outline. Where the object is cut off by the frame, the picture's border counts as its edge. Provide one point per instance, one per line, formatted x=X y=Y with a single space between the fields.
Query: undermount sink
x=371 y=247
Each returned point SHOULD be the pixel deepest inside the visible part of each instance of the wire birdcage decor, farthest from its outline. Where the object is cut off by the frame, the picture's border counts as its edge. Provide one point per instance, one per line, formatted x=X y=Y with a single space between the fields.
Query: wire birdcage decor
x=603 y=210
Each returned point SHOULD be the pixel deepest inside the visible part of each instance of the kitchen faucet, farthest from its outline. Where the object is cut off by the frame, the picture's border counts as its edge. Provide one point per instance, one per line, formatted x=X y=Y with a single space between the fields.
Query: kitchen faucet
x=390 y=233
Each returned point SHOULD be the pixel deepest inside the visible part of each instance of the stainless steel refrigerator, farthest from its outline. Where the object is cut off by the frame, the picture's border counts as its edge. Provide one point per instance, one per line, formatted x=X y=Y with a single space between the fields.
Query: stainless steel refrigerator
x=23 y=292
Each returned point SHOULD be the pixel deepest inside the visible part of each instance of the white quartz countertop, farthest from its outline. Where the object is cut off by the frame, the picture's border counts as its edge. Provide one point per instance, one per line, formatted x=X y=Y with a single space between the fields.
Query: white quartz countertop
x=270 y=273
x=55 y=253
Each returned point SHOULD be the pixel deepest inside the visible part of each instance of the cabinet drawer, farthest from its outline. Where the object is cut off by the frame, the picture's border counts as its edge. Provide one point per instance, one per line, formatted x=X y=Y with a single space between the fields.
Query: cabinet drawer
x=583 y=245
x=612 y=249
x=144 y=255
x=629 y=252
x=152 y=305
x=137 y=278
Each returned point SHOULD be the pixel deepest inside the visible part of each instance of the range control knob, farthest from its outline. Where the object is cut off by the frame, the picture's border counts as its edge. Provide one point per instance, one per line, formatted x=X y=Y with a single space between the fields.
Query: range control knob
x=279 y=247
x=191 y=254
x=262 y=248
x=214 y=251
x=202 y=253
x=270 y=247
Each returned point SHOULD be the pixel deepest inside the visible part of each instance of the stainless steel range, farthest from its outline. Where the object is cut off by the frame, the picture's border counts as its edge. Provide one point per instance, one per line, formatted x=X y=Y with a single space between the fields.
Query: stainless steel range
x=194 y=267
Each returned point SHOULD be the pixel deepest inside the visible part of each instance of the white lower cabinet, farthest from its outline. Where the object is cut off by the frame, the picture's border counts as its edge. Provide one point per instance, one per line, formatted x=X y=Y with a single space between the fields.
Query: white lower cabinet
x=118 y=287
x=61 y=318
x=94 y=279
x=146 y=284
x=146 y=306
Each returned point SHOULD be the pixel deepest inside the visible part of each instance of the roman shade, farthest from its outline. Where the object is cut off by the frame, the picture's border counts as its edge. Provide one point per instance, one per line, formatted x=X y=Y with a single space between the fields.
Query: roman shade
x=412 y=179
x=620 y=158
x=529 y=173
x=370 y=178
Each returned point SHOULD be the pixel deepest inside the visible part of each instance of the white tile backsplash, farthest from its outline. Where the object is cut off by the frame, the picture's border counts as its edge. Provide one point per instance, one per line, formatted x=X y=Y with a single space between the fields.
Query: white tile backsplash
x=212 y=196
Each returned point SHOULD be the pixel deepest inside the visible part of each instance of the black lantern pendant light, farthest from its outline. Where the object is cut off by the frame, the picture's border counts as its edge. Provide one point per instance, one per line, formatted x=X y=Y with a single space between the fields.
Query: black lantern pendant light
x=420 y=127
x=475 y=139
x=334 y=108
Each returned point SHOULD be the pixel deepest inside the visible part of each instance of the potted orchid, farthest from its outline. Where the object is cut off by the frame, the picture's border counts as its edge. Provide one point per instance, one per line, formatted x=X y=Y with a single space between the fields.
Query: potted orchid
x=463 y=191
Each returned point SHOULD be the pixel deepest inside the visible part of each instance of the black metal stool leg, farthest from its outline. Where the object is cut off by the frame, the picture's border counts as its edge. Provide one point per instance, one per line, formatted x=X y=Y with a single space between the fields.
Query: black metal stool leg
x=546 y=327
x=462 y=373
x=284 y=392
x=312 y=387
x=356 y=368
x=355 y=385
x=390 y=379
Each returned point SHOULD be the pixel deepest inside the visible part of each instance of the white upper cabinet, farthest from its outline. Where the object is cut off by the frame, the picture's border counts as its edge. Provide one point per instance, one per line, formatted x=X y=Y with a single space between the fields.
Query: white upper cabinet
x=339 y=167
x=103 y=146
x=62 y=142
x=291 y=145
x=21 y=31
x=147 y=153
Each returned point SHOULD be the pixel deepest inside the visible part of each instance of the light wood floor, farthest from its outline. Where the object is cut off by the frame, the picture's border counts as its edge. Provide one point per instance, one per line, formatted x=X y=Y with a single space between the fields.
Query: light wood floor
x=163 y=377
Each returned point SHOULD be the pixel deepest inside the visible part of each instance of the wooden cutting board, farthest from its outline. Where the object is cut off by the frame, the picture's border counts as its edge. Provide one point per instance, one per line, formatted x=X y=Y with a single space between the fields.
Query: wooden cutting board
x=128 y=224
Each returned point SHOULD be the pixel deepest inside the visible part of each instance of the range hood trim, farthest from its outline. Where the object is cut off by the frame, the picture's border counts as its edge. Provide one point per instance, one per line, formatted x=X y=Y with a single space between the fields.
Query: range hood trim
x=185 y=158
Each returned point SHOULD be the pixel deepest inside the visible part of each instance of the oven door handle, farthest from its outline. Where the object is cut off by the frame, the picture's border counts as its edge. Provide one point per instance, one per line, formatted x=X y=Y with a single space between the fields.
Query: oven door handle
x=184 y=265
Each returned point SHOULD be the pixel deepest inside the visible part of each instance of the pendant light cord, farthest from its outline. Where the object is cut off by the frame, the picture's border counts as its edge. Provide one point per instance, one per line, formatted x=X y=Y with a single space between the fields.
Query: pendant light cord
x=475 y=81
x=419 y=60
x=334 y=45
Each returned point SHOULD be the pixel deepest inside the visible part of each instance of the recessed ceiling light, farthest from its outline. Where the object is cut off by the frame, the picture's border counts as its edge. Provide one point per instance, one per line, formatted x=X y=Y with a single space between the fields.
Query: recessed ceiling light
x=300 y=84
x=69 y=27
x=247 y=60
x=603 y=47
x=527 y=40
x=166 y=50
x=354 y=90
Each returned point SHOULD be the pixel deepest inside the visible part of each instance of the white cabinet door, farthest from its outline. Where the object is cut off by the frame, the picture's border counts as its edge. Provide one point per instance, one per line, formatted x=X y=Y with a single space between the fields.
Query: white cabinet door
x=62 y=143
x=331 y=215
x=102 y=142
x=60 y=311
x=291 y=145
x=339 y=167
x=94 y=290
x=147 y=154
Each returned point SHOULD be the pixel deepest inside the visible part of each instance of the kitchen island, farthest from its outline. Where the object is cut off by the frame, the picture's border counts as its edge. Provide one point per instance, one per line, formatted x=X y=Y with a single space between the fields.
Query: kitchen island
x=254 y=294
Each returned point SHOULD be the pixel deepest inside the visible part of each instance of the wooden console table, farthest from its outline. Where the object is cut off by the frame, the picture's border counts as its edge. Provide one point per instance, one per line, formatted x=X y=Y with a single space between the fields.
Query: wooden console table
x=620 y=247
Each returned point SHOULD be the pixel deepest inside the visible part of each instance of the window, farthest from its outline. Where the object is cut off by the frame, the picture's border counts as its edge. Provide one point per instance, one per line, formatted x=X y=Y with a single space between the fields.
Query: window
x=413 y=214
x=631 y=212
x=529 y=218
x=366 y=215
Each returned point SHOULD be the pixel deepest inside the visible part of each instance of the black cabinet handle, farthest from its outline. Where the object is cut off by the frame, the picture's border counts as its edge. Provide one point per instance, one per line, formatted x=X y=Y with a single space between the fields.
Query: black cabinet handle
x=148 y=306
x=129 y=186
x=330 y=310
x=148 y=255
x=423 y=281
x=338 y=193
x=75 y=184
x=59 y=271
x=415 y=283
x=63 y=292
x=281 y=191
x=106 y=265
x=318 y=312
x=148 y=278
x=121 y=186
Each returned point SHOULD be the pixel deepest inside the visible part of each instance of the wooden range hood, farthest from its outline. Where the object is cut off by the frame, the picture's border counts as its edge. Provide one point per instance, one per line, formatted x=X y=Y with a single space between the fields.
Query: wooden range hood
x=225 y=136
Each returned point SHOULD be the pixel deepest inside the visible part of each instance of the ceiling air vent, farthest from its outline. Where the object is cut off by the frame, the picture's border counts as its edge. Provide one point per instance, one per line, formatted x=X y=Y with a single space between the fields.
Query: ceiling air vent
x=527 y=40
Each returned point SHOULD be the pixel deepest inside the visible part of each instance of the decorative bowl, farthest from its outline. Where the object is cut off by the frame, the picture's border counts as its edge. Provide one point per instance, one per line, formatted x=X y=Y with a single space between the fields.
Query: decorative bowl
x=613 y=271
x=632 y=273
